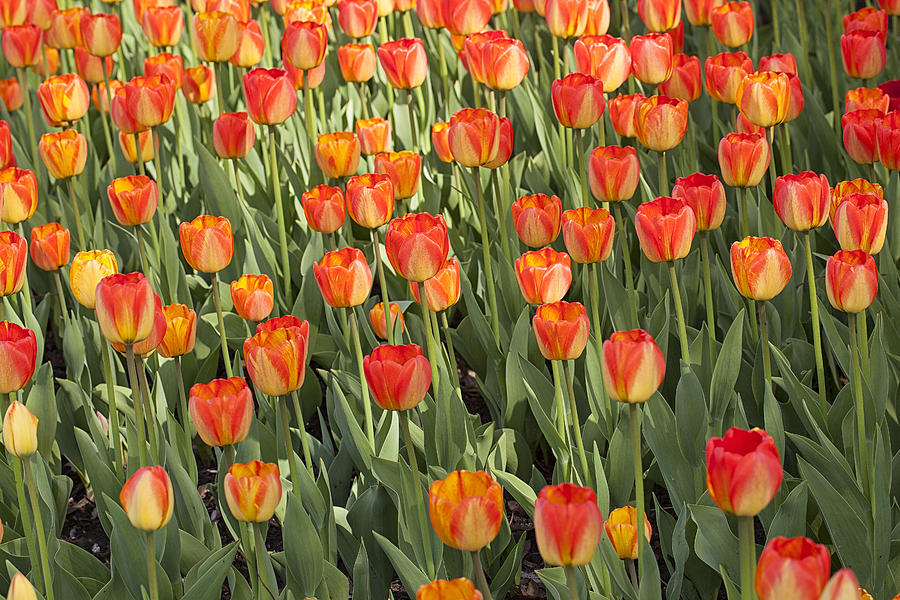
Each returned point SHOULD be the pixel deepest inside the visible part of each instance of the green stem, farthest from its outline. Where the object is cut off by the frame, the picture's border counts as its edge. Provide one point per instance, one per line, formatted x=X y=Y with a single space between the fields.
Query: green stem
x=594 y=291
x=561 y=427
x=63 y=311
x=309 y=114
x=571 y=582
x=500 y=208
x=145 y=266
x=430 y=336
x=157 y=165
x=776 y=29
x=139 y=153
x=707 y=288
x=486 y=253
x=301 y=425
x=105 y=118
x=582 y=172
x=679 y=313
x=151 y=567
x=764 y=338
x=279 y=212
x=864 y=474
x=479 y=575
x=748 y=556
x=773 y=175
x=745 y=218
x=260 y=552
x=217 y=299
x=576 y=422
x=27 y=529
x=784 y=141
x=632 y=573
x=414 y=138
x=445 y=80
x=288 y=444
x=73 y=198
x=623 y=13
x=832 y=65
x=183 y=402
x=138 y=408
x=714 y=107
x=663 y=175
x=221 y=86
x=263 y=17
x=249 y=550
x=814 y=313
x=237 y=182
x=420 y=507
x=149 y=410
x=106 y=351
x=39 y=530
x=364 y=387
x=29 y=120
x=626 y=260
x=863 y=337
x=382 y=283
x=363 y=103
x=450 y=353
x=635 y=417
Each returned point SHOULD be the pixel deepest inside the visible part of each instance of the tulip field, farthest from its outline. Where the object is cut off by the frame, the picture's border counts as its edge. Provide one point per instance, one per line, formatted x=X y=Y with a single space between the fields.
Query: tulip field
x=449 y=299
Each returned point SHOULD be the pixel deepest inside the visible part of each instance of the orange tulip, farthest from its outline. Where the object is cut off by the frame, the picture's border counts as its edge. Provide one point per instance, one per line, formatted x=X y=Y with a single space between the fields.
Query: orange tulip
x=101 y=33
x=621 y=113
x=633 y=366
x=253 y=297
x=742 y=125
x=253 y=491
x=313 y=11
x=7 y=158
x=536 y=219
x=705 y=195
x=13 y=12
x=887 y=137
x=337 y=154
x=865 y=98
x=130 y=150
x=860 y=222
x=442 y=290
x=276 y=360
x=699 y=12
x=472 y=55
x=216 y=35
x=462 y=17
x=429 y=13
x=64 y=99
x=604 y=57
x=18 y=194
x=621 y=529
x=797 y=101
x=374 y=135
x=181 y=331
x=724 y=74
x=39 y=12
x=544 y=276
x=125 y=306
x=568 y=524
x=660 y=122
x=843 y=585
x=271 y=97
x=684 y=83
x=90 y=68
x=87 y=270
x=588 y=234
x=323 y=207
x=659 y=15
x=133 y=199
x=122 y=116
x=566 y=18
x=843 y=189
x=779 y=63
x=148 y=498
x=18 y=354
x=303 y=79
x=357 y=62
x=744 y=158
x=398 y=376
x=404 y=62
x=764 y=98
x=561 y=329
x=665 y=228
x=863 y=53
x=50 y=246
x=358 y=17
x=440 y=141
x=22 y=45
x=198 y=84
x=207 y=243
x=344 y=277
x=504 y=145
x=891 y=6
x=743 y=471
x=795 y=568
x=403 y=168
x=239 y=9
x=860 y=135
x=150 y=100
x=802 y=201
x=505 y=63
x=466 y=509
x=441 y=589
x=98 y=93
x=147 y=346
x=651 y=57
x=760 y=267
x=613 y=173
x=11 y=94
x=851 y=280
x=732 y=23
x=166 y=64
x=13 y=259
x=251 y=45
x=577 y=100
x=370 y=199
x=417 y=245
x=379 y=322
x=163 y=25
x=64 y=153
x=474 y=136
x=304 y=44
x=65 y=28
x=221 y=410
x=866 y=19
x=233 y=135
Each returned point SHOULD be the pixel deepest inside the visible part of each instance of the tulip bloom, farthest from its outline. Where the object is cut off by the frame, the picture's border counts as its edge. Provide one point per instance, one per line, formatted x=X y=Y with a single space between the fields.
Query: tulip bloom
x=659 y=15
x=221 y=410
x=764 y=98
x=181 y=331
x=357 y=17
x=323 y=207
x=207 y=243
x=417 y=245
x=504 y=145
x=744 y=158
x=20 y=588
x=802 y=201
x=170 y=65
x=403 y=168
x=865 y=98
x=150 y=100
x=90 y=68
x=621 y=529
x=429 y=13
x=11 y=94
x=344 y=277
x=101 y=33
x=379 y=322
x=398 y=376
x=442 y=290
x=271 y=97
x=130 y=148
x=337 y=154
x=304 y=44
x=536 y=219
x=699 y=12
x=404 y=62
x=357 y=62
x=19 y=429
x=125 y=306
x=665 y=228
x=724 y=74
x=621 y=113
x=652 y=57
x=163 y=25
x=233 y=135
x=684 y=83
x=253 y=297
x=613 y=173
x=441 y=589
x=474 y=136
x=843 y=189
x=561 y=329
x=276 y=360
x=133 y=199
x=566 y=18
x=860 y=130
x=472 y=55
x=13 y=12
x=851 y=280
x=588 y=234
x=887 y=136
x=22 y=45
x=64 y=99
x=148 y=498
x=253 y=491
x=705 y=194
x=50 y=246
x=251 y=46
x=198 y=84
x=505 y=63
x=795 y=568
x=660 y=123
x=860 y=222
x=65 y=28
x=866 y=19
x=466 y=509
x=13 y=259
x=465 y=16
x=578 y=100
x=732 y=23
x=633 y=366
x=374 y=135
x=216 y=35
x=18 y=194
x=370 y=199
x=760 y=267
x=604 y=57
x=568 y=524
x=440 y=141
x=544 y=276
x=87 y=270
x=17 y=358
x=743 y=471
x=863 y=53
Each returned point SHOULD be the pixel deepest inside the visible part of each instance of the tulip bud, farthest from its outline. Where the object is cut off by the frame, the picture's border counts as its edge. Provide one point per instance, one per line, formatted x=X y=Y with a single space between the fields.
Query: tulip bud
x=170 y=65
x=207 y=243
x=568 y=524
x=764 y=98
x=253 y=297
x=795 y=568
x=221 y=410
x=860 y=222
x=851 y=280
x=233 y=135
x=22 y=45
x=566 y=18
x=865 y=98
x=760 y=267
x=843 y=585
x=505 y=64
x=181 y=331
x=504 y=145
x=860 y=130
x=357 y=17
x=578 y=100
x=724 y=74
x=344 y=277
x=87 y=270
x=404 y=62
x=370 y=199
x=323 y=207
x=251 y=45
x=101 y=33
x=665 y=228
x=64 y=99
x=18 y=356
x=125 y=307
x=18 y=194
x=253 y=491
x=732 y=23
x=442 y=290
x=544 y=276
x=150 y=100
x=863 y=53
x=20 y=589
x=276 y=359
x=13 y=259
x=417 y=245
x=684 y=83
x=466 y=509
x=337 y=154
x=705 y=194
x=398 y=376
x=744 y=158
x=652 y=57
x=374 y=135
x=621 y=529
x=148 y=499
x=11 y=94
x=64 y=153
x=440 y=141
x=379 y=322
x=843 y=189
x=130 y=147
x=588 y=234
x=802 y=201
x=271 y=97
x=216 y=36
x=198 y=84
x=561 y=329
x=462 y=17
x=312 y=78
x=133 y=199
x=604 y=57
x=403 y=168
x=163 y=25
x=660 y=122
x=659 y=15
x=536 y=219
x=90 y=68
x=304 y=44
x=474 y=136
x=50 y=246
x=357 y=62
x=633 y=366
x=613 y=173
x=65 y=28
x=887 y=136
x=441 y=589
x=743 y=471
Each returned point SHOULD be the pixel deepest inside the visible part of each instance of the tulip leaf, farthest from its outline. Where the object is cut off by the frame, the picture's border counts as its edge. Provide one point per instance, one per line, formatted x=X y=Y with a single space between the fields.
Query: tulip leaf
x=789 y=519
x=42 y=402
x=218 y=189
x=410 y=575
x=725 y=373
x=714 y=543
x=691 y=417
x=521 y=491
x=303 y=550
x=204 y=581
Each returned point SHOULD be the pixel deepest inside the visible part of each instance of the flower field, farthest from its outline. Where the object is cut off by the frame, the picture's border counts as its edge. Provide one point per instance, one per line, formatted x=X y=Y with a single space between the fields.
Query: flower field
x=442 y=298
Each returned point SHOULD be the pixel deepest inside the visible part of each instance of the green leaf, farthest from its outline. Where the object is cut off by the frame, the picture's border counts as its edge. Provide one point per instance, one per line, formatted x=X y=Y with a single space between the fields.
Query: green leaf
x=410 y=575
x=726 y=371
x=691 y=418
x=204 y=581
x=302 y=547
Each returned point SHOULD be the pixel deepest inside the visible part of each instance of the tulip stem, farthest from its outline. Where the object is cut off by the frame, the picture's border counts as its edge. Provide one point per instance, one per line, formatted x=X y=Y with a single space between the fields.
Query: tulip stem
x=784 y=142
x=430 y=336
x=814 y=313
x=157 y=165
x=862 y=450
x=249 y=550
x=479 y=575
x=420 y=507
x=632 y=573
x=288 y=444
x=414 y=138
x=764 y=338
x=679 y=313
x=445 y=81
x=626 y=260
x=29 y=120
x=748 y=556
x=745 y=218
x=635 y=417
x=626 y=25
x=301 y=425
x=832 y=65
x=382 y=283
x=363 y=386
x=39 y=529
x=862 y=332
x=63 y=311
x=576 y=423
x=220 y=86
x=279 y=212
x=707 y=288
x=237 y=182
x=141 y=250
x=149 y=410
x=594 y=291
x=138 y=409
x=500 y=202
x=450 y=352
x=663 y=175
x=582 y=172
x=74 y=199
x=27 y=529
x=139 y=153
x=486 y=252
x=182 y=396
x=561 y=427
x=217 y=299
x=105 y=115
x=773 y=175
x=309 y=114
x=113 y=408
x=260 y=556
x=151 y=567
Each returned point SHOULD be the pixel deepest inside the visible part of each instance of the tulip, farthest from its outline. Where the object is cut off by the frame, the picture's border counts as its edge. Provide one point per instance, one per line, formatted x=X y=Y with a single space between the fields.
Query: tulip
x=11 y=94
x=568 y=524
x=65 y=28
x=133 y=199
x=705 y=195
x=358 y=17
x=147 y=346
x=887 y=136
x=864 y=98
x=633 y=366
x=466 y=509
x=684 y=83
x=403 y=168
x=742 y=125
x=271 y=97
x=891 y=6
x=13 y=12
x=344 y=277
x=251 y=46
x=370 y=199
x=20 y=425
x=505 y=64
x=860 y=129
x=441 y=589
x=148 y=499
x=536 y=219
x=860 y=222
x=233 y=135
x=588 y=234
x=22 y=45
x=442 y=290
x=101 y=33
x=866 y=19
x=64 y=99
x=207 y=243
x=398 y=376
x=724 y=74
x=732 y=23
x=797 y=101
x=851 y=280
x=621 y=113
x=417 y=245
x=651 y=57
x=621 y=529
x=121 y=114
x=216 y=36
x=129 y=147
x=404 y=62
x=764 y=98
x=91 y=68
x=504 y=145
x=276 y=360
x=544 y=276
x=659 y=15
x=253 y=297
x=604 y=57
x=374 y=135
x=87 y=270
x=760 y=267
x=18 y=357
x=665 y=228
x=660 y=123
x=843 y=585
x=472 y=56
x=429 y=14
x=379 y=322
x=304 y=44
x=18 y=194
x=50 y=246
x=163 y=25
x=743 y=471
x=566 y=18
x=125 y=307
x=440 y=141
x=863 y=53
x=462 y=17
x=802 y=201
x=150 y=100
x=20 y=589
x=795 y=568
x=13 y=260
x=253 y=491
x=561 y=329
x=323 y=207
x=843 y=189
x=779 y=63
x=222 y=410
x=578 y=100
x=170 y=65
x=699 y=12
x=198 y=84
x=181 y=331
x=239 y=9
x=744 y=159
x=52 y=55
x=357 y=62
x=305 y=79
x=474 y=136
x=337 y=154
x=308 y=10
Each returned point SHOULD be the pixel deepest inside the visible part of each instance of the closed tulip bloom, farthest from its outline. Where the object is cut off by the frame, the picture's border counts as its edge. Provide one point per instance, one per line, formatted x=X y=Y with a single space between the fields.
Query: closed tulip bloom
x=665 y=228
x=705 y=195
x=253 y=491
x=851 y=280
x=13 y=259
x=566 y=18
x=20 y=589
x=440 y=141
x=13 y=12
x=233 y=135
x=860 y=222
x=462 y=17
x=843 y=585
x=240 y=9
x=779 y=63
x=18 y=194
x=253 y=297
x=504 y=145
x=588 y=234
x=466 y=509
x=168 y=64
x=7 y=158
x=130 y=148
x=276 y=323
x=652 y=57
x=887 y=137
x=633 y=366
x=357 y=62
x=125 y=305
x=147 y=346
x=544 y=275
x=505 y=64
x=561 y=329
x=121 y=113
x=417 y=245
x=90 y=68
x=744 y=159
x=429 y=14
x=843 y=189
x=621 y=113
x=11 y=94
x=207 y=243
x=323 y=207
x=65 y=28
x=271 y=97
x=732 y=23
x=217 y=36
x=743 y=471
x=39 y=12
x=87 y=270
x=20 y=426
x=684 y=83
x=398 y=376
x=660 y=122
x=802 y=201
x=760 y=267
x=604 y=57
x=866 y=19
x=378 y=322
x=50 y=246
x=344 y=277
x=404 y=62
x=891 y=6
x=795 y=568
x=568 y=524
x=621 y=529
x=251 y=45
x=699 y=12
x=764 y=98
x=374 y=135
x=148 y=499
x=101 y=33
x=163 y=25
x=724 y=74
x=403 y=168
x=742 y=125
x=659 y=15
x=276 y=360
x=441 y=589
x=221 y=410
x=304 y=44
x=474 y=136
x=370 y=199
x=22 y=45
x=357 y=17
x=860 y=135
x=64 y=99
x=578 y=100
x=863 y=54
x=472 y=56
x=198 y=84
x=313 y=11
x=18 y=356
x=133 y=199
x=536 y=219
x=864 y=98
x=442 y=290
x=337 y=154
x=312 y=78
x=181 y=331
x=150 y=100
x=797 y=101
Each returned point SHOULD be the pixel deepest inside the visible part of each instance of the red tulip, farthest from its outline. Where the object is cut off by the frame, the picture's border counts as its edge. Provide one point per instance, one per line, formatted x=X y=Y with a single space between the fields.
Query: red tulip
x=337 y=154
x=271 y=97
x=379 y=322
x=802 y=201
x=705 y=195
x=370 y=199
x=398 y=376
x=605 y=57
x=50 y=246
x=404 y=62
x=578 y=100
x=163 y=25
x=621 y=113
x=743 y=471
x=562 y=330
x=462 y=17
x=221 y=410
x=101 y=33
x=304 y=44
x=357 y=62
x=744 y=158
x=207 y=243
x=344 y=277
x=442 y=290
x=18 y=354
x=651 y=57
x=684 y=83
x=860 y=222
x=851 y=280
x=474 y=136
x=795 y=568
x=633 y=366
x=170 y=65
x=403 y=168
x=588 y=234
x=22 y=45
x=276 y=360
x=665 y=228
x=126 y=306
x=661 y=123
x=323 y=207
x=357 y=17
x=568 y=524
x=732 y=23
x=760 y=267
x=253 y=297
x=133 y=199
x=233 y=135
x=724 y=74
x=18 y=194
x=417 y=245
x=863 y=53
